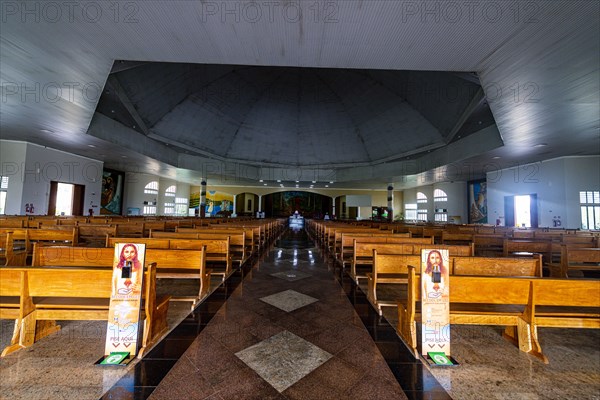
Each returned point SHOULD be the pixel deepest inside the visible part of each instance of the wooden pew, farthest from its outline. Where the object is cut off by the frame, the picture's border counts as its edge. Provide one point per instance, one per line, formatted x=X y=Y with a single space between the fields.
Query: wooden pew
x=27 y=237
x=388 y=268
x=49 y=294
x=217 y=250
x=173 y=264
x=497 y=266
x=10 y=253
x=488 y=243
x=456 y=238
x=94 y=234
x=393 y=268
x=14 y=305
x=345 y=249
x=241 y=239
x=575 y=258
x=517 y=247
x=14 y=222
x=363 y=251
x=520 y=304
x=362 y=255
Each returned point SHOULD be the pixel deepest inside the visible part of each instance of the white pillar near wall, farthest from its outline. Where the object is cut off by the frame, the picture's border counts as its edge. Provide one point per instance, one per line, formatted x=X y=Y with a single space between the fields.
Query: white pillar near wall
x=390 y=200
x=234 y=214
x=203 y=198
x=260 y=202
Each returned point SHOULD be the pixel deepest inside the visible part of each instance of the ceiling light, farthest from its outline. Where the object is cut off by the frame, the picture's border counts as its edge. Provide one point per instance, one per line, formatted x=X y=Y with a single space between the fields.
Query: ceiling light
x=297 y=181
x=261 y=180
x=496 y=157
x=314 y=181
x=46 y=131
x=326 y=185
x=264 y=184
x=278 y=180
x=330 y=181
x=541 y=145
x=91 y=145
x=123 y=156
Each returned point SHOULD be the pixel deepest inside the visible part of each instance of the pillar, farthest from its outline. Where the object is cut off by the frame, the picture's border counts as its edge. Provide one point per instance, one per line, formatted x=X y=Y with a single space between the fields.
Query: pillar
x=390 y=200
x=203 y=198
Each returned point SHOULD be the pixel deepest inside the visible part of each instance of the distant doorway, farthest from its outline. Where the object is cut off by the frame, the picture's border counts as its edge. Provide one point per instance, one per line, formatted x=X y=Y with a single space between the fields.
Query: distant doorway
x=65 y=199
x=521 y=211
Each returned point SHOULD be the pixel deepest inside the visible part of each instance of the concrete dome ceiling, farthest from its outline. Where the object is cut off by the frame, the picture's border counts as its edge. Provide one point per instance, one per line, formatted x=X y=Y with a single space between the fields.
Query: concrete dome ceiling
x=176 y=90
x=295 y=116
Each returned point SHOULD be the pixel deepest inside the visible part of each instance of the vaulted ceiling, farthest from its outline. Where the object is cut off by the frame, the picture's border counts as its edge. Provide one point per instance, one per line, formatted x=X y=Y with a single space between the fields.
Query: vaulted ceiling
x=358 y=93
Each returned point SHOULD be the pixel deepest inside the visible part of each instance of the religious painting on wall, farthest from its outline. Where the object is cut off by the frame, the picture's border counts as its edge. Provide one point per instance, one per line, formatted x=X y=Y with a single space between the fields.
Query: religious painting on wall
x=111 y=202
x=217 y=203
x=477 y=196
x=195 y=197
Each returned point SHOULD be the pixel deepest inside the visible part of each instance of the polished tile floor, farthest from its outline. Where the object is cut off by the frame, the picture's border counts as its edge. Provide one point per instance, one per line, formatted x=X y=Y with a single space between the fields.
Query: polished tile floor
x=292 y=326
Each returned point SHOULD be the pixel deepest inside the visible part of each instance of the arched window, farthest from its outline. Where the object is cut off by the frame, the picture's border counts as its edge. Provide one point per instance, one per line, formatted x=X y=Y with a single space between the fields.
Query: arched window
x=421 y=212
x=151 y=188
x=439 y=195
x=171 y=191
x=441 y=214
x=169 y=200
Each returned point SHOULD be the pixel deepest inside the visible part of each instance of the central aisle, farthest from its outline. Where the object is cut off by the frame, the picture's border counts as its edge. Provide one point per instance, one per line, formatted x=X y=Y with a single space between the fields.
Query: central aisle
x=288 y=330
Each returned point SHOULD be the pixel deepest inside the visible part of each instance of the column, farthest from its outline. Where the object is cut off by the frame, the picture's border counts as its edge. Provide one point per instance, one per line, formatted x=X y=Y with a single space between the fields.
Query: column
x=390 y=199
x=203 y=198
x=234 y=214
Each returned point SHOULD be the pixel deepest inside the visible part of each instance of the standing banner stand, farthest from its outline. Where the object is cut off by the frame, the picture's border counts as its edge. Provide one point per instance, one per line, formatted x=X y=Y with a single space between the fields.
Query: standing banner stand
x=435 y=307
x=123 y=333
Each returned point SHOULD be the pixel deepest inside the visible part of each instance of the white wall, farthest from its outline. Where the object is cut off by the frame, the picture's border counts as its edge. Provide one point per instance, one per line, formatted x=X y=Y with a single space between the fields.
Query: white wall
x=38 y=166
x=457 y=200
x=134 y=191
x=556 y=182
x=581 y=174
x=12 y=158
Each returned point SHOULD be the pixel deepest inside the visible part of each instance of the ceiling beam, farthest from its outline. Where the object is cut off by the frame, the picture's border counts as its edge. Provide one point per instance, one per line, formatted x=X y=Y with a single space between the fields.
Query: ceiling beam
x=119 y=66
x=475 y=103
x=116 y=87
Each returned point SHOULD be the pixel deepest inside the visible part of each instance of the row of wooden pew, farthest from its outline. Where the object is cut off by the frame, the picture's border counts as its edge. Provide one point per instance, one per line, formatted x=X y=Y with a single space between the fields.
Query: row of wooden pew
x=70 y=282
x=506 y=291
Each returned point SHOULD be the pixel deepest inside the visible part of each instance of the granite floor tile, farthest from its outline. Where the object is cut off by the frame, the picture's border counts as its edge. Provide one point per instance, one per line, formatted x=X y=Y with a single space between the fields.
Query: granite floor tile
x=289 y=300
x=184 y=383
x=291 y=275
x=283 y=359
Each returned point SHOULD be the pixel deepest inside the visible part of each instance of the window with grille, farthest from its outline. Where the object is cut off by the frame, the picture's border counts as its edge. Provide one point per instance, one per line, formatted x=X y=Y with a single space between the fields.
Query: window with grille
x=171 y=191
x=411 y=212
x=169 y=209
x=151 y=188
x=149 y=210
x=421 y=198
x=181 y=206
x=422 y=215
x=439 y=195
x=3 y=193
x=590 y=209
x=441 y=217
